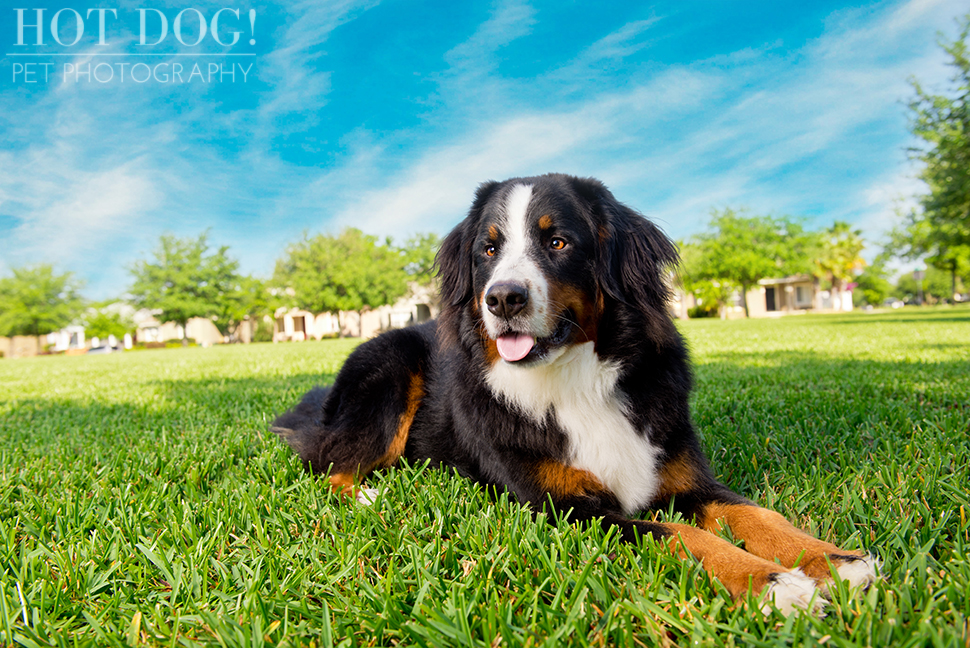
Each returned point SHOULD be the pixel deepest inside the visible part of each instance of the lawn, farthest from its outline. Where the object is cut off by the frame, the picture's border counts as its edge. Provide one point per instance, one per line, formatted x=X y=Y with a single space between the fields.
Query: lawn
x=144 y=502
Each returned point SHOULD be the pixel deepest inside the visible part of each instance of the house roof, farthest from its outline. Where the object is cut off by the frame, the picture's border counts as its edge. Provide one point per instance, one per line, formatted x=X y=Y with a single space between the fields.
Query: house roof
x=786 y=281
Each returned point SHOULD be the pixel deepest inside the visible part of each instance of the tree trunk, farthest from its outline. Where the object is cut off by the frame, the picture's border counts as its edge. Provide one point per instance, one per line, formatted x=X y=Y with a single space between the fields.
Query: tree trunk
x=953 y=280
x=360 y=324
x=185 y=333
x=744 y=300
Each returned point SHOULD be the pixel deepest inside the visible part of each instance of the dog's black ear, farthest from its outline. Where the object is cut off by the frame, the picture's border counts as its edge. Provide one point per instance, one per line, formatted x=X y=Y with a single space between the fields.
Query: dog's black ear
x=454 y=260
x=635 y=259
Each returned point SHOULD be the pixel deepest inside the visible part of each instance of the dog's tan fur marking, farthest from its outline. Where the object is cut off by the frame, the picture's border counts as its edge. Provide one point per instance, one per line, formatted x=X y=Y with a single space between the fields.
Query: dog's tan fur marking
x=488 y=344
x=769 y=535
x=343 y=484
x=396 y=449
x=563 y=296
x=604 y=233
x=738 y=570
x=545 y=222
x=677 y=476
x=491 y=350
x=562 y=481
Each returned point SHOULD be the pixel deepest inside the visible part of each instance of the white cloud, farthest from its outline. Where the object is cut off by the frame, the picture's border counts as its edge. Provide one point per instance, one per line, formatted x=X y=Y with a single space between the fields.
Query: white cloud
x=298 y=86
x=76 y=214
x=884 y=202
x=435 y=190
x=619 y=44
x=511 y=19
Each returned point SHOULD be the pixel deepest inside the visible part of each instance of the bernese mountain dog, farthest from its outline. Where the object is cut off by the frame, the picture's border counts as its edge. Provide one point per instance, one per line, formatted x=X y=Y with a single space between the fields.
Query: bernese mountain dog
x=555 y=371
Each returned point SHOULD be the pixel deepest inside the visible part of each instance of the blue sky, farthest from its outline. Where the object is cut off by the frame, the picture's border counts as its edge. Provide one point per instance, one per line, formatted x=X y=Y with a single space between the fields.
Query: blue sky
x=386 y=115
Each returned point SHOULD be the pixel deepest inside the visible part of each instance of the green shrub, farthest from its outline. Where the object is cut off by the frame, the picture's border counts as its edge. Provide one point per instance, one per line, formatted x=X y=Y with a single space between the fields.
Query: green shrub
x=702 y=311
x=177 y=344
x=264 y=332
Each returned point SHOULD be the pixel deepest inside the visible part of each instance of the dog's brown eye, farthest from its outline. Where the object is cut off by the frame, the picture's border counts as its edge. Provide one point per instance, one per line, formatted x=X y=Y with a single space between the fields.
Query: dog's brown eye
x=490 y=250
x=557 y=243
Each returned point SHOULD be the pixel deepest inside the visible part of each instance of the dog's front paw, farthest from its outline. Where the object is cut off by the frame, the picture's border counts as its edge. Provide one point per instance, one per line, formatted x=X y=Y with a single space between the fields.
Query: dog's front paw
x=858 y=572
x=367 y=496
x=791 y=591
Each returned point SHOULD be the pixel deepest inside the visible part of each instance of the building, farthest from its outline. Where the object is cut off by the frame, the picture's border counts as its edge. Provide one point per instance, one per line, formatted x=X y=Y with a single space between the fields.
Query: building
x=149 y=329
x=67 y=339
x=795 y=294
x=774 y=297
x=296 y=325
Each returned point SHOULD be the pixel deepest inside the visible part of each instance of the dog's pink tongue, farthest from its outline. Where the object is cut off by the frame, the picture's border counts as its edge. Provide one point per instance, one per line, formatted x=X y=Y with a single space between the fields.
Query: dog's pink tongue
x=514 y=347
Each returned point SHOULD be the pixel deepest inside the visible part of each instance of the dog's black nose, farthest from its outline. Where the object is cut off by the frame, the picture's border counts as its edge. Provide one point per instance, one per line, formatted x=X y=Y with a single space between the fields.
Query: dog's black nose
x=506 y=299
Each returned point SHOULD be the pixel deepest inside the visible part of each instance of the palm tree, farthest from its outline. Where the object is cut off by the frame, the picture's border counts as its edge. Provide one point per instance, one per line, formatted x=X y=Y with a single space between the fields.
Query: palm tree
x=839 y=258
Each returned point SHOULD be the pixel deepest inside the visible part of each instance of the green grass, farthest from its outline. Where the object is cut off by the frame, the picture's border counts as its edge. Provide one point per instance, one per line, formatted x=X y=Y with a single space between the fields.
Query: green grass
x=143 y=502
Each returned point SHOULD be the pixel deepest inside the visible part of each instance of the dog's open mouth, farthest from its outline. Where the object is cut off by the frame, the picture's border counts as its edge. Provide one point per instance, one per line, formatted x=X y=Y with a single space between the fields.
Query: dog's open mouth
x=521 y=347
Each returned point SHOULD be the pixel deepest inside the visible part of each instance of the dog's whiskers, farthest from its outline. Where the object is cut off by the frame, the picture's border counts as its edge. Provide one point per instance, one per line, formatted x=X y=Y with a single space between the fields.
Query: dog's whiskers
x=562 y=310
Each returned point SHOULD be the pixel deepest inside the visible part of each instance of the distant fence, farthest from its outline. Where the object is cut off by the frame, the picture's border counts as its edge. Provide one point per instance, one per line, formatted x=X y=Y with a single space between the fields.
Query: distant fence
x=20 y=346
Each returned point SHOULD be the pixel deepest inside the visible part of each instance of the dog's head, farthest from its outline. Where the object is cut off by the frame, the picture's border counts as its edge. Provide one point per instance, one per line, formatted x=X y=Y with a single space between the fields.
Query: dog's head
x=541 y=264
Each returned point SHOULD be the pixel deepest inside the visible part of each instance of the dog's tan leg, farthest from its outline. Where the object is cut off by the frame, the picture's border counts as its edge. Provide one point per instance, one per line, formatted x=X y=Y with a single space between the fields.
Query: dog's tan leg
x=396 y=448
x=769 y=535
x=742 y=572
x=344 y=484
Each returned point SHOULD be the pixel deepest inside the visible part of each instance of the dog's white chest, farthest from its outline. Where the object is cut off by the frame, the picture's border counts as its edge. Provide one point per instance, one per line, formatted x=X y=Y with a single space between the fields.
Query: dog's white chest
x=580 y=391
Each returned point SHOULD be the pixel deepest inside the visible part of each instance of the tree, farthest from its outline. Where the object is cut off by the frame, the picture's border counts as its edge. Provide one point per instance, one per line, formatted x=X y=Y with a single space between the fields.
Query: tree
x=838 y=258
x=419 y=252
x=873 y=284
x=710 y=295
x=939 y=227
x=935 y=286
x=184 y=280
x=248 y=298
x=104 y=322
x=36 y=301
x=738 y=250
x=348 y=272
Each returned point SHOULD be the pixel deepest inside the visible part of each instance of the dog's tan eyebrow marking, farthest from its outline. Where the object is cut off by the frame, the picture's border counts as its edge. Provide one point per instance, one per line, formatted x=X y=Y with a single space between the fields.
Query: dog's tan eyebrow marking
x=493 y=232
x=545 y=222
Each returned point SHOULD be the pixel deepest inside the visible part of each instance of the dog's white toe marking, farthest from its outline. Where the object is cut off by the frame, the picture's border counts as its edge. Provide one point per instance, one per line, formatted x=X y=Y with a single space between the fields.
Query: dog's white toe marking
x=859 y=573
x=792 y=591
x=367 y=496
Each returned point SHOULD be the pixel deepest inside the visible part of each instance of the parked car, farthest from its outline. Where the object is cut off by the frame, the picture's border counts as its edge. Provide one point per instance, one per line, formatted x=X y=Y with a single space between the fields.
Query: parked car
x=104 y=349
x=892 y=302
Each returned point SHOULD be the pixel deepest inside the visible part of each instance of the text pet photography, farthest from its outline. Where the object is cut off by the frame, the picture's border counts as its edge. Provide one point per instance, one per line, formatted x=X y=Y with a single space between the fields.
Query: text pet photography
x=92 y=34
